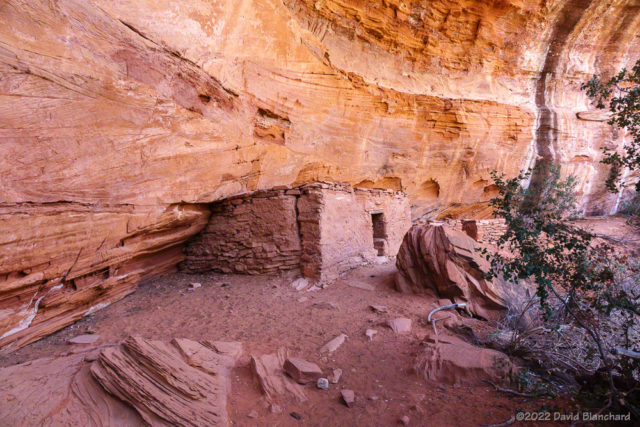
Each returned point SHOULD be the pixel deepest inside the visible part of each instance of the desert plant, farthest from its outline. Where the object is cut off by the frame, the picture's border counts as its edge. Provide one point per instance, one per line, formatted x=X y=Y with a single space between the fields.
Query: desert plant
x=621 y=95
x=579 y=286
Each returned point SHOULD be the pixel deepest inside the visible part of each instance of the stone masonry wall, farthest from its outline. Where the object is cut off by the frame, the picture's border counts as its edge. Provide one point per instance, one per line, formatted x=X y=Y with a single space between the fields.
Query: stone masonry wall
x=482 y=230
x=396 y=214
x=254 y=233
x=346 y=238
x=323 y=229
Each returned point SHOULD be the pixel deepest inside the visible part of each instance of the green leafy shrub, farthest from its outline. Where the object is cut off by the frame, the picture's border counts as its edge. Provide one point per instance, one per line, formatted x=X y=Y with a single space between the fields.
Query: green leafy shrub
x=584 y=288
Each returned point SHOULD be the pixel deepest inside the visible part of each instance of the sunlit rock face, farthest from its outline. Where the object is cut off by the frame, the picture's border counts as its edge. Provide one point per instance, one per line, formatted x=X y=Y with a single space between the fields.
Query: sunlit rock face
x=122 y=116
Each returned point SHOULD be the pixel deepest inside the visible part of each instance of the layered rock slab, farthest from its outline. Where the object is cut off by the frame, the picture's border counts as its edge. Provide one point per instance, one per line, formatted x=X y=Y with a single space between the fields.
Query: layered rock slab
x=445 y=262
x=450 y=360
x=139 y=382
x=61 y=261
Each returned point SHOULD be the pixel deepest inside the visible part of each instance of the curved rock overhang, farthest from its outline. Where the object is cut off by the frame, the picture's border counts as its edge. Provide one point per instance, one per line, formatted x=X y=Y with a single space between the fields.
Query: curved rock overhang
x=118 y=120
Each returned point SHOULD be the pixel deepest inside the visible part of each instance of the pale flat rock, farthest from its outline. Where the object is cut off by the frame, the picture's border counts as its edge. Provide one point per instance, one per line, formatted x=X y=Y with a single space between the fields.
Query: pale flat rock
x=194 y=285
x=370 y=333
x=335 y=376
x=401 y=325
x=348 y=397
x=360 y=285
x=379 y=308
x=84 y=339
x=300 y=284
x=327 y=305
x=302 y=371
x=334 y=344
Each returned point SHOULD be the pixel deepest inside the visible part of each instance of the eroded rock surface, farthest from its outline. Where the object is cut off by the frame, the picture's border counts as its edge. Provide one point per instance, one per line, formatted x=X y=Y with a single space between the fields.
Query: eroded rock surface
x=450 y=360
x=114 y=116
x=139 y=382
x=445 y=262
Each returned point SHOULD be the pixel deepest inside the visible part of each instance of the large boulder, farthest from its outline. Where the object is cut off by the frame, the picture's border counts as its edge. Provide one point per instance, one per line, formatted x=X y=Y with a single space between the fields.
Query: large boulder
x=450 y=360
x=437 y=259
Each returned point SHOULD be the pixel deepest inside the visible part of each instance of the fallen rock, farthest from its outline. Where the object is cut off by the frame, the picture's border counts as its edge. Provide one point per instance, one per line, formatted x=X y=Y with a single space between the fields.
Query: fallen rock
x=335 y=376
x=450 y=360
x=348 y=397
x=405 y=420
x=370 y=333
x=303 y=299
x=435 y=258
x=378 y=308
x=275 y=409
x=401 y=325
x=322 y=384
x=301 y=371
x=361 y=285
x=381 y=260
x=194 y=286
x=295 y=415
x=252 y=414
x=300 y=284
x=268 y=369
x=334 y=344
x=327 y=305
x=139 y=382
x=84 y=339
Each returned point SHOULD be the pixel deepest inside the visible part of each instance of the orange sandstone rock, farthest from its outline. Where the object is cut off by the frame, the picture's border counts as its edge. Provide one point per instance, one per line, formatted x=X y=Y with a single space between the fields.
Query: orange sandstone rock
x=115 y=116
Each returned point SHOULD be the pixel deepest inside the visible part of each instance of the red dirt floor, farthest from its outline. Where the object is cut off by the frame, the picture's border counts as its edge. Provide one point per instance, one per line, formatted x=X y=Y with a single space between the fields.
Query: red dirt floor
x=265 y=313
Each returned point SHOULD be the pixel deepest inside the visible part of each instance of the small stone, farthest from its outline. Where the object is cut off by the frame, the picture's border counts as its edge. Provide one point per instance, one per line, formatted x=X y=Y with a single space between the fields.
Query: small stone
x=401 y=325
x=323 y=384
x=326 y=305
x=252 y=414
x=348 y=397
x=379 y=308
x=300 y=284
x=296 y=415
x=303 y=299
x=193 y=286
x=373 y=398
x=370 y=333
x=90 y=330
x=225 y=284
x=84 y=339
x=405 y=420
x=334 y=344
x=275 y=409
x=335 y=376
x=301 y=371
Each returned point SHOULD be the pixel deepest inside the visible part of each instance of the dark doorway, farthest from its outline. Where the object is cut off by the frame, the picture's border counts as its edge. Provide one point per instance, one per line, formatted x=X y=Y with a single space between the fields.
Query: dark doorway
x=379 y=232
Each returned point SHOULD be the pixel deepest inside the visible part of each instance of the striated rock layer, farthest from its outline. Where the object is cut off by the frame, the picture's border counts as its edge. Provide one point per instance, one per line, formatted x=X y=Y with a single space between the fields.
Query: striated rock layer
x=139 y=382
x=446 y=263
x=116 y=117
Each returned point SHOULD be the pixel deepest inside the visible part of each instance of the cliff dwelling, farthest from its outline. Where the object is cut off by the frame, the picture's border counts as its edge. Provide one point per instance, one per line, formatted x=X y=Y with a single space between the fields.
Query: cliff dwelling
x=318 y=212
x=320 y=230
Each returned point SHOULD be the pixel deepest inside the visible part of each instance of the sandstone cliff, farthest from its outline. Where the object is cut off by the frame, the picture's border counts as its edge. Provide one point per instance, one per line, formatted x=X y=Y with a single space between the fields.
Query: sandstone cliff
x=118 y=118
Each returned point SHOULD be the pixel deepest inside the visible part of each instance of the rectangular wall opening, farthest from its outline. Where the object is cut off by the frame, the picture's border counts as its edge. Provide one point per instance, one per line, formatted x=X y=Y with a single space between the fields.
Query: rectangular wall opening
x=379 y=232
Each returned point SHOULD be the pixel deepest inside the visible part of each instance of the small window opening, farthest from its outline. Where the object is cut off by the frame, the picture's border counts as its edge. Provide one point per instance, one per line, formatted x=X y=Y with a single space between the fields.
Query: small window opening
x=379 y=232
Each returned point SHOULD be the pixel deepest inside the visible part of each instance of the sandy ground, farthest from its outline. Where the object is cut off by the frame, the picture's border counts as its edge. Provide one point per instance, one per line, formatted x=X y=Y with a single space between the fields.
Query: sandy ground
x=265 y=313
